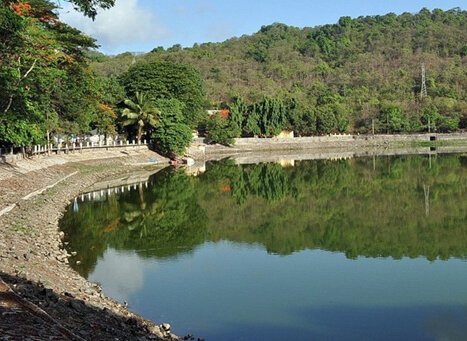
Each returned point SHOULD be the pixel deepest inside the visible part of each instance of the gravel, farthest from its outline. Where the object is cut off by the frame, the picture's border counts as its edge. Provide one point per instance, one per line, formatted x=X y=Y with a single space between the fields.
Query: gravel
x=41 y=297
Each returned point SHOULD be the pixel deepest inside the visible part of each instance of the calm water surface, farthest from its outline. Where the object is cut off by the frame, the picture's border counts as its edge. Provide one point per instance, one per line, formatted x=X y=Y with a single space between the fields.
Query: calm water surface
x=360 y=249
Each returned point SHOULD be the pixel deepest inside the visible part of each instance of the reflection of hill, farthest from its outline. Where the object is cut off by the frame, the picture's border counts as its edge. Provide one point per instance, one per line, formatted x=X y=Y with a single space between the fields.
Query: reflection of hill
x=391 y=207
x=355 y=207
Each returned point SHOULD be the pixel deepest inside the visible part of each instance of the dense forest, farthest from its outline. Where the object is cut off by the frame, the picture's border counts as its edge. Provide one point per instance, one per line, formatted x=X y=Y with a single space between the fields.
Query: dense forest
x=360 y=75
x=343 y=77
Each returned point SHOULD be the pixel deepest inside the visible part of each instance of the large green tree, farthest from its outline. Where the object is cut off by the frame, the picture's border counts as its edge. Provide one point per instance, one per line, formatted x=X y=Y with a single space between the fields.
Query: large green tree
x=169 y=80
x=171 y=135
x=44 y=76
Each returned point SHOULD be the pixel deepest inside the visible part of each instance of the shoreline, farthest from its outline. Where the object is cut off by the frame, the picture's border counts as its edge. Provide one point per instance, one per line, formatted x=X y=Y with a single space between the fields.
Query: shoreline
x=202 y=150
x=34 y=263
x=36 y=281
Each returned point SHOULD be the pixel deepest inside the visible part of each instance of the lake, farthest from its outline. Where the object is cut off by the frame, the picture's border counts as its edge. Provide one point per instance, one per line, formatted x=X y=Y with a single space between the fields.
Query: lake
x=354 y=249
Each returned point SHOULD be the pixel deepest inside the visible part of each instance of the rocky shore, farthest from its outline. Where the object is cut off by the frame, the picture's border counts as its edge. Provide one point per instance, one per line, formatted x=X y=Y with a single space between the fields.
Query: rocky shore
x=41 y=297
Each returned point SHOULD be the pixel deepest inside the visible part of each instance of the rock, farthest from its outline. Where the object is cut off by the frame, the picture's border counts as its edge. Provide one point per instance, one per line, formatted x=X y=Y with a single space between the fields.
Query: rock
x=77 y=305
x=165 y=327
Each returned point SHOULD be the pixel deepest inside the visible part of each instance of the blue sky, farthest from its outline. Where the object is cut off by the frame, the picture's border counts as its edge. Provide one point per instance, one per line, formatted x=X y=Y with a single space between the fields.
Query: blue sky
x=140 y=25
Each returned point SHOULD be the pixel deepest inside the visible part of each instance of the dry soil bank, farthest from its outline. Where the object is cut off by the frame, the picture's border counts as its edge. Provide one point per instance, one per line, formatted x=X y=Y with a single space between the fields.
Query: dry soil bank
x=41 y=297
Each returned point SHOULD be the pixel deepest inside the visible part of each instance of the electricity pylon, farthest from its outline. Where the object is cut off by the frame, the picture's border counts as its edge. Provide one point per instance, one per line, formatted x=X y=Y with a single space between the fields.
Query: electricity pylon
x=423 y=92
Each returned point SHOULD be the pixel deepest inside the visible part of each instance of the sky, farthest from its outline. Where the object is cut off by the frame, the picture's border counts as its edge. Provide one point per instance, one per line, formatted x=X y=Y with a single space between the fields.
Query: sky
x=141 y=25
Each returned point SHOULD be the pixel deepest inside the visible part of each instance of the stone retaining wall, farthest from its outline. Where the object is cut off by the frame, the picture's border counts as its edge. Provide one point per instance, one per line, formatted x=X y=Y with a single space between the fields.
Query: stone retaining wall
x=241 y=145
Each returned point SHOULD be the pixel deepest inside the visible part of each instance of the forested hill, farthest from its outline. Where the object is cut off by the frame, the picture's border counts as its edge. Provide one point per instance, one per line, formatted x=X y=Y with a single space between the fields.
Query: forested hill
x=360 y=65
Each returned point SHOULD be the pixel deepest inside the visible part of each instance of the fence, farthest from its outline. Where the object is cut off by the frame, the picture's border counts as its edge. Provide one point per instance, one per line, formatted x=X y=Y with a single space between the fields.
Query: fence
x=15 y=153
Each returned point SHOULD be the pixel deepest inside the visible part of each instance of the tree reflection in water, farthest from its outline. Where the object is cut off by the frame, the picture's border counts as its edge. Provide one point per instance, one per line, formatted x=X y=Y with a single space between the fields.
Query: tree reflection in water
x=362 y=207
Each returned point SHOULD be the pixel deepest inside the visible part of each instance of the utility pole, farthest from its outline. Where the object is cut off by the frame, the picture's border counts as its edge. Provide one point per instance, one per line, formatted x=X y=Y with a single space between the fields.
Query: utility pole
x=424 y=93
x=426 y=192
x=48 y=134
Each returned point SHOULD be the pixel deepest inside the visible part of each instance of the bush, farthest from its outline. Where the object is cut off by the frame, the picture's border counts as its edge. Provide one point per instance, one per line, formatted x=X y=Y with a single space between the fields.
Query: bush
x=222 y=130
x=172 y=138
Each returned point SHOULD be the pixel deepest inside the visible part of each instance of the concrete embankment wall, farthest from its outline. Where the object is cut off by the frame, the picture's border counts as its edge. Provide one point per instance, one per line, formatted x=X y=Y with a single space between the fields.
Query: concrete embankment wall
x=79 y=154
x=134 y=155
x=243 y=145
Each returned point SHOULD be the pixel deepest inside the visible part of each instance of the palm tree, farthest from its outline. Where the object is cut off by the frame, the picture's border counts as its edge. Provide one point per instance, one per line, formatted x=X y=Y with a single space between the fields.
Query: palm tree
x=142 y=112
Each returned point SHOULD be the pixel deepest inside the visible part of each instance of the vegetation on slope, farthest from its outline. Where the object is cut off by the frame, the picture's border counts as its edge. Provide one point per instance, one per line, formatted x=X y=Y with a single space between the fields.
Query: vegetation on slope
x=358 y=72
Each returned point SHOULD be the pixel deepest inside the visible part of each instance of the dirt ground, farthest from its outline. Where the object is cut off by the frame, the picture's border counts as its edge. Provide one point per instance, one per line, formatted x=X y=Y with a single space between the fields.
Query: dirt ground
x=41 y=297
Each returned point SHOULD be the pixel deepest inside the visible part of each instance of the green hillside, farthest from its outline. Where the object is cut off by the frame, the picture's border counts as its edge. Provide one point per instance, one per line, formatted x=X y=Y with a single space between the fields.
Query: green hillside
x=358 y=70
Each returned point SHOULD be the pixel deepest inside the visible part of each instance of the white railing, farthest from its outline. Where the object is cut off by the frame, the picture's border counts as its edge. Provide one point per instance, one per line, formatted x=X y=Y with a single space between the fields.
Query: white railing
x=79 y=146
x=66 y=147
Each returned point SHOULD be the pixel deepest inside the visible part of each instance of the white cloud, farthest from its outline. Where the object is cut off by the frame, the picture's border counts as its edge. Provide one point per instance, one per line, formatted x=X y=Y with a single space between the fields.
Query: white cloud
x=120 y=274
x=124 y=27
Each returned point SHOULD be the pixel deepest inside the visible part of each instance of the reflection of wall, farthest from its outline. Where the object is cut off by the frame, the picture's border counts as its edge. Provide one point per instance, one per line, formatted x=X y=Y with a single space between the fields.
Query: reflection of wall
x=287 y=163
x=104 y=194
x=197 y=169
x=286 y=134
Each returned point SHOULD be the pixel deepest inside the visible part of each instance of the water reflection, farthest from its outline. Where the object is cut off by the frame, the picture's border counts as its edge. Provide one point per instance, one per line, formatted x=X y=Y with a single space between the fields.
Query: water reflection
x=390 y=207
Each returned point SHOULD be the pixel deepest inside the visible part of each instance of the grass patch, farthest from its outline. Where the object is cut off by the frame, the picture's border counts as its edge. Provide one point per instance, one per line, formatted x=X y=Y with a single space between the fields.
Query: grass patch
x=438 y=143
x=20 y=228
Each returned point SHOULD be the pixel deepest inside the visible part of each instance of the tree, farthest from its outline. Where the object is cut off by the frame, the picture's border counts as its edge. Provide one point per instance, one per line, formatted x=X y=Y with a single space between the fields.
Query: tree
x=169 y=80
x=326 y=120
x=393 y=117
x=141 y=113
x=222 y=130
x=171 y=135
x=44 y=76
x=238 y=112
x=272 y=116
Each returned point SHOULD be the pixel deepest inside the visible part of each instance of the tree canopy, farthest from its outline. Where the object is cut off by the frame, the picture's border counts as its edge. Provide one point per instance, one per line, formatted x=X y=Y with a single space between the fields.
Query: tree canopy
x=90 y=7
x=168 y=80
x=44 y=75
